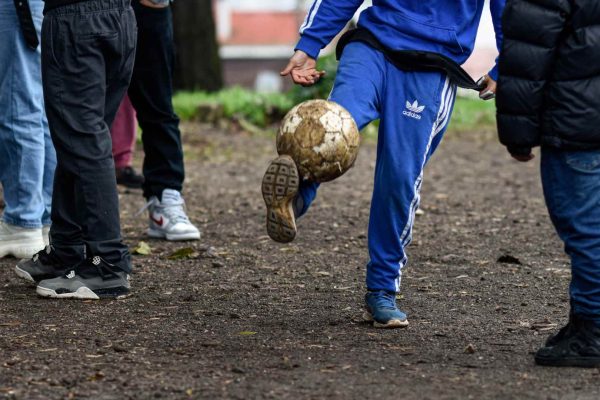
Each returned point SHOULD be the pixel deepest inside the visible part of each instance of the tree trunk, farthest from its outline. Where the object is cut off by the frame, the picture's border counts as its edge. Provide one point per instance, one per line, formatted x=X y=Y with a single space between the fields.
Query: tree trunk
x=198 y=66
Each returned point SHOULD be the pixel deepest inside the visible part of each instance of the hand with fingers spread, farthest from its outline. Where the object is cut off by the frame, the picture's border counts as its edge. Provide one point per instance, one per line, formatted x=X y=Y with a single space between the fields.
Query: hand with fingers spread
x=302 y=69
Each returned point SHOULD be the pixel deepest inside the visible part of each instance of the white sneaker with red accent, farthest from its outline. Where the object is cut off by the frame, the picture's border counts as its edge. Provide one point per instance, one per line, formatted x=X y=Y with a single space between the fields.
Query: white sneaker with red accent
x=168 y=219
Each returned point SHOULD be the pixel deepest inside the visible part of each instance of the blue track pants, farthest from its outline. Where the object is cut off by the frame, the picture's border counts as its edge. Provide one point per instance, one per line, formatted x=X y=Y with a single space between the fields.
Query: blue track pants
x=414 y=109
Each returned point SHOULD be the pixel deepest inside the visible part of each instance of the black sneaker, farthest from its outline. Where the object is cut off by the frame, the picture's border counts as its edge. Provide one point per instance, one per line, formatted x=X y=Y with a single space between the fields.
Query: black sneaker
x=93 y=279
x=576 y=345
x=565 y=331
x=43 y=265
x=128 y=177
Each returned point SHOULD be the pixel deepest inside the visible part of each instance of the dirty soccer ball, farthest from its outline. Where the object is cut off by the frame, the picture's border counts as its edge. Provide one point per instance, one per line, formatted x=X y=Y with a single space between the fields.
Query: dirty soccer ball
x=321 y=137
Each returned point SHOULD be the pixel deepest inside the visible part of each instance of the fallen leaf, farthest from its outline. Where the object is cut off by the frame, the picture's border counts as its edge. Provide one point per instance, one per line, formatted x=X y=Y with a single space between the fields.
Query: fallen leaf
x=247 y=333
x=142 y=249
x=186 y=252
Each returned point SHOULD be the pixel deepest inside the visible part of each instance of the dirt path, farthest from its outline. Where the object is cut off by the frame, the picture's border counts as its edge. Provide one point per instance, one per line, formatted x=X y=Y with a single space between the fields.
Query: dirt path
x=246 y=318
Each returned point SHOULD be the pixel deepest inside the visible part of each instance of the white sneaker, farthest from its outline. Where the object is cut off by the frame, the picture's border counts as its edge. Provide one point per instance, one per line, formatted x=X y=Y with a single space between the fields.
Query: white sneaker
x=168 y=219
x=19 y=242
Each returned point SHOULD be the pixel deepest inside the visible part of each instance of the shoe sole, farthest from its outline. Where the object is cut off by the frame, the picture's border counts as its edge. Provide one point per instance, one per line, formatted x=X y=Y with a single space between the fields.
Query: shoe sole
x=85 y=293
x=581 y=362
x=24 y=274
x=156 y=234
x=391 y=324
x=280 y=186
x=17 y=250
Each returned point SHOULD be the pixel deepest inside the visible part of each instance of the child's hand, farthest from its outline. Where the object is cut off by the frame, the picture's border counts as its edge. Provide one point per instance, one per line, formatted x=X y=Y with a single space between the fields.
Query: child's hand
x=523 y=158
x=155 y=3
x=303 y=69
x=489 y=91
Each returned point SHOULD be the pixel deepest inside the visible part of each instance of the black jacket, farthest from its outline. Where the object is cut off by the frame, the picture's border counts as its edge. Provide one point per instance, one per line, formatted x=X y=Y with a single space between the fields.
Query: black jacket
x=549 y=84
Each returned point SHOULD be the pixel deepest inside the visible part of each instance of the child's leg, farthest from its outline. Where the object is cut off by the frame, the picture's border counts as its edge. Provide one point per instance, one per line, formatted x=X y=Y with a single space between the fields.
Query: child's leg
x=22 y=127
x=571 y=181
x=86 y=70
x=151 y=93
x=358 y=87
x=415 y=112
x=123 y=132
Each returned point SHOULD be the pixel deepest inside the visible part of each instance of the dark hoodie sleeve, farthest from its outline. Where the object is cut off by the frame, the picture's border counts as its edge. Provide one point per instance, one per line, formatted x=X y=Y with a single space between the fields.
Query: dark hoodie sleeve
x=532 y=30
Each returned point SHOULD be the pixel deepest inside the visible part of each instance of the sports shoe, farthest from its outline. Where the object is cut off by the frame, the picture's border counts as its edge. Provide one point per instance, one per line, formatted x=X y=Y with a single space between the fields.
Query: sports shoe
x=280 y=186
x=19 y=242
x=168 y=219
x=576 y=345
x=43 y=265
x=93 y=279
x=129 y=177
x=382 y=310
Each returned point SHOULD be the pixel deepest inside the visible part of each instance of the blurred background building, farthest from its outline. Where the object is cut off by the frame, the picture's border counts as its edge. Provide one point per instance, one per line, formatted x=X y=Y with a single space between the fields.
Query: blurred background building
x=257 y=37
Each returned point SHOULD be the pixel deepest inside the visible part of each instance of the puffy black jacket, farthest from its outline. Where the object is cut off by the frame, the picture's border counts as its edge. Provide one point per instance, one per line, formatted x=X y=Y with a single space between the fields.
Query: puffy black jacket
x=549 y=84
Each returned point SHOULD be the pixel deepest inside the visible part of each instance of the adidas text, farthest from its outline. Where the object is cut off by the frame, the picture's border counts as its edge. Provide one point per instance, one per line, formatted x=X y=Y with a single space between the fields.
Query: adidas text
x=413 y=110
x=411 y=114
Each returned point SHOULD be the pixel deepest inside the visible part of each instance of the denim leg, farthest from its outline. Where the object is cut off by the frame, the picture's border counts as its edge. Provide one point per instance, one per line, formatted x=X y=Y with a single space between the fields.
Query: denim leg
x=24 y=133
x=571 y=182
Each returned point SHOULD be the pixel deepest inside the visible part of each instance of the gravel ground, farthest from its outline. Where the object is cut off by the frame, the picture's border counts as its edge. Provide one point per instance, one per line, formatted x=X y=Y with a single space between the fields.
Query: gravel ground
x=238 y=316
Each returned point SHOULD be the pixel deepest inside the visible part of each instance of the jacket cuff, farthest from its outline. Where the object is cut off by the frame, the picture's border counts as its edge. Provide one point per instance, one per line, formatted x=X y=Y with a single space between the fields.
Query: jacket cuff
x=310 y=46
x=519 y=151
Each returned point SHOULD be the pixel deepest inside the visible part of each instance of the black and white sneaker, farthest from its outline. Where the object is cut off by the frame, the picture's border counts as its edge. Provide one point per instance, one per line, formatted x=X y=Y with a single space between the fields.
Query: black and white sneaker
x=93 y=279
x=43 y=265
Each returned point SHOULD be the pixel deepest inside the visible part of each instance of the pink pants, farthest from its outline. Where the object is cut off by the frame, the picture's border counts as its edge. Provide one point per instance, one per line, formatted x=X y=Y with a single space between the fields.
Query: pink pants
x=123 y=132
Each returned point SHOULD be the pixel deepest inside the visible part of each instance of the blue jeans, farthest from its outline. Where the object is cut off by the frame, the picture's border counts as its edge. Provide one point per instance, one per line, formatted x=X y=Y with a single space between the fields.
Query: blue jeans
x=414 y=109
x=571 y=181
x=27 y=158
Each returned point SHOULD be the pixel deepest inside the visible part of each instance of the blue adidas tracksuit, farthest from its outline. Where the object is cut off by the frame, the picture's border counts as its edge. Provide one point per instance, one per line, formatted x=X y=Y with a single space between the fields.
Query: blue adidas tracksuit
x=414 y=107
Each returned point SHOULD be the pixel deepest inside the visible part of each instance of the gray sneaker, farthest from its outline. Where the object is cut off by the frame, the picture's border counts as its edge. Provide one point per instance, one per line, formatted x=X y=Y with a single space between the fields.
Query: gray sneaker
x=43 y=265
x=73 y=285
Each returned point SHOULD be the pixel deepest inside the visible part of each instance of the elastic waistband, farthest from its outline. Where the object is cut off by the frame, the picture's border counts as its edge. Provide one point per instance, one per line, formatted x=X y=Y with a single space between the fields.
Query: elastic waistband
x=88 y=6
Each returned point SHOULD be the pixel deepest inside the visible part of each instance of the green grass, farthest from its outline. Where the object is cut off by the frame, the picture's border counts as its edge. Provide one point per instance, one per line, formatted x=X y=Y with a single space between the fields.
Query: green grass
x=258 y=108
x=471 y=114
x=266 y=110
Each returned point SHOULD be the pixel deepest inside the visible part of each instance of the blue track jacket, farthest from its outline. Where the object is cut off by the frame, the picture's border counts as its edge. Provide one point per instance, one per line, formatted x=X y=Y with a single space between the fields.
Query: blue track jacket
x=446 y=27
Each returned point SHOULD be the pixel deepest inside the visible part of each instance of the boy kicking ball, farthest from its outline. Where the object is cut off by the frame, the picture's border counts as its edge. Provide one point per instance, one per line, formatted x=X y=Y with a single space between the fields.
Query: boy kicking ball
x=400 y=66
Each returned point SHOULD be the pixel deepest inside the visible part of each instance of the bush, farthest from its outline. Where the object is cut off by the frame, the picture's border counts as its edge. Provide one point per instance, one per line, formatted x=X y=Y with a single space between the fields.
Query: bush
x=260 y=109
x=266 y=109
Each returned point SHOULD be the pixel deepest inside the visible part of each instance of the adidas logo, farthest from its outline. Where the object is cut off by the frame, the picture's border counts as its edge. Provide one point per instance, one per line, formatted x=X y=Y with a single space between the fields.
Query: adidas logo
x=71 y=275
x=413 y=110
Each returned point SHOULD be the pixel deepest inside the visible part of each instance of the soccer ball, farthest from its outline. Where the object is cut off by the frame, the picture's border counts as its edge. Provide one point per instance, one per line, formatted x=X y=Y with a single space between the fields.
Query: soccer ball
x=322 y=138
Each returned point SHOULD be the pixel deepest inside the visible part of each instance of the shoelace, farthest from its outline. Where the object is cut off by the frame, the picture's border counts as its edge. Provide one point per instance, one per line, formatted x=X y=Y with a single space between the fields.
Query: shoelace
x=174 y=211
